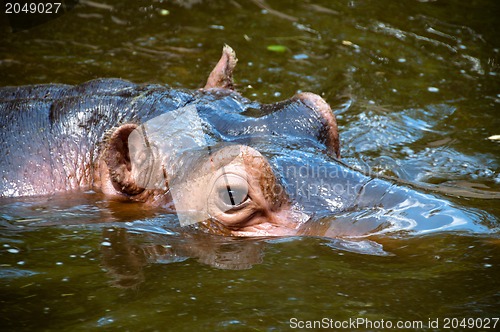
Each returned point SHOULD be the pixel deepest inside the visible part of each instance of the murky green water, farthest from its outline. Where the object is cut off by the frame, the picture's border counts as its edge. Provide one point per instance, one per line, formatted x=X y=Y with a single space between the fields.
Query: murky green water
x=415 y=86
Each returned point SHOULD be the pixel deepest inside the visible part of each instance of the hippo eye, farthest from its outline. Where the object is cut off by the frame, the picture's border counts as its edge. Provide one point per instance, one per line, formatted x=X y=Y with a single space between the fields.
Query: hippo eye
x=230 y=192
x=232 y=196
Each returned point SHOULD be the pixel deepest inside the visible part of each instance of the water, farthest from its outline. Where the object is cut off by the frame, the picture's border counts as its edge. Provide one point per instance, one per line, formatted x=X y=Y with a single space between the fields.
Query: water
x=415 y=88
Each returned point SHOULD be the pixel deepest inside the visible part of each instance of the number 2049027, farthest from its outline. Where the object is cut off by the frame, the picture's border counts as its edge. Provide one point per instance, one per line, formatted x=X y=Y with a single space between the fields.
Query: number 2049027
x=472 y=323
x=32 y=8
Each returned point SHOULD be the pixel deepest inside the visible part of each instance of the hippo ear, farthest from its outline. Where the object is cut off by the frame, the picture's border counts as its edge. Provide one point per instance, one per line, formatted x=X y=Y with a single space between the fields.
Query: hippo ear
x=117 y=158
x=222 y=74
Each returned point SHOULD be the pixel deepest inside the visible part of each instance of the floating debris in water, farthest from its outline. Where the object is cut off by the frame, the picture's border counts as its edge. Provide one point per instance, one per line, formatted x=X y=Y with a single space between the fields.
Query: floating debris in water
x=276 y=48
x=27 y=285
x=494 y=137
x=432 y=89
x=13 y=250
x=164 y=12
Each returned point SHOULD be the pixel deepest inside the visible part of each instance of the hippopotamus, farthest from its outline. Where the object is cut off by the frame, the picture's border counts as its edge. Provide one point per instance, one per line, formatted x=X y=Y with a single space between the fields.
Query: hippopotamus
x=262 y=170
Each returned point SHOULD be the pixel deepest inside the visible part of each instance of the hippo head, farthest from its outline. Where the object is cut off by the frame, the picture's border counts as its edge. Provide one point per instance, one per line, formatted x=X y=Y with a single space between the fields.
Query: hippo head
x=224 y=184
x=234 y=187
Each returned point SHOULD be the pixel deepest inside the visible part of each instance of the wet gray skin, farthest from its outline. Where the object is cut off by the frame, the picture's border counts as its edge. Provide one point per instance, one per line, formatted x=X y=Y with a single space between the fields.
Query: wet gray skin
x=60 y=138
